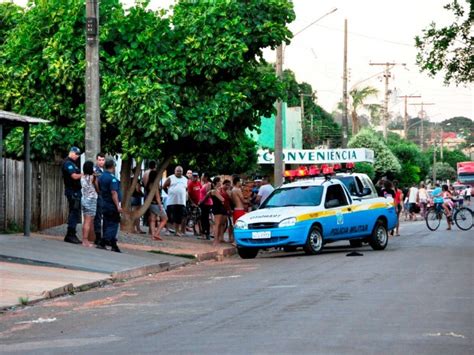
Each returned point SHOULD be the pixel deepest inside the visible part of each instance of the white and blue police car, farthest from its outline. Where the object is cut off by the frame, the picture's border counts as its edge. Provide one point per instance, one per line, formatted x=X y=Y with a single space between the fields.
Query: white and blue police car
x=311 y=213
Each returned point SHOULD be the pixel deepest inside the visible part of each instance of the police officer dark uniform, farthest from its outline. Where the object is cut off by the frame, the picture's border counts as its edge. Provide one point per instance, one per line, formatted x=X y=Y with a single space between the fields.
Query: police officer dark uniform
x=72 y=190
x=109 y=187
x=98 y=170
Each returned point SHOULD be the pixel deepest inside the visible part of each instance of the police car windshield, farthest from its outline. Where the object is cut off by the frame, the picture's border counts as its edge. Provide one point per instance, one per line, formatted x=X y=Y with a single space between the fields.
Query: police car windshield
x=294 y=196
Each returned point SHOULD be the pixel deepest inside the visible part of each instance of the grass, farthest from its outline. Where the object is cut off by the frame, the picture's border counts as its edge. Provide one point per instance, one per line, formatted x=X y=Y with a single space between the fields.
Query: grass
x=187 y=256
x=23 y=300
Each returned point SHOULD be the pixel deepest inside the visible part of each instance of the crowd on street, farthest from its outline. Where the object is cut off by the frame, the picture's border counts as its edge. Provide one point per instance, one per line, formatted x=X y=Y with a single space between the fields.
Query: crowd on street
x=416 y=199
x=196 y=203
x=191 y=202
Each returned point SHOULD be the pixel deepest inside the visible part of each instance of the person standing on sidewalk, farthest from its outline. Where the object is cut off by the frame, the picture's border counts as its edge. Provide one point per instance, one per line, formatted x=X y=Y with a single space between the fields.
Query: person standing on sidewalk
x=109 y=186
x=176 y=186
x=412 y=200
x=238 y=199
x=264 y=191
x=205 y=203
x=98 y=170
x=72 y=189
x=88 y=201
x=194 y=195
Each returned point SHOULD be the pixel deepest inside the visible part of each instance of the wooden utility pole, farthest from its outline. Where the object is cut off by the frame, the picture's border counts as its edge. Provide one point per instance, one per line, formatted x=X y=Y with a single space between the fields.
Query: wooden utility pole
x=387 y=76
x=422 y=118
x=345 y=98
x=92 y=134
x=278 y=166
x=405 y=117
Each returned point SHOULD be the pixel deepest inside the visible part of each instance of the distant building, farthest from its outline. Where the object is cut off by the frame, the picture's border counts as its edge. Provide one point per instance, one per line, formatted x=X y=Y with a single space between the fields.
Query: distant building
x=292 y=130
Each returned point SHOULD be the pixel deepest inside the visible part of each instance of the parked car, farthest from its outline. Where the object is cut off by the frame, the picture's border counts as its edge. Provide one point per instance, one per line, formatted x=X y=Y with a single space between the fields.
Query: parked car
x=311 y=213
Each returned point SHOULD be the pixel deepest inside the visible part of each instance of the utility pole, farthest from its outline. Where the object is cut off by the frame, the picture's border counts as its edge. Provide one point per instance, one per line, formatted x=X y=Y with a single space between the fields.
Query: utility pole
x=422 y=118
x=442 y=143
x=405 y=117
x=345 y=98
x=92 y=133
x=278 y=166
x=387 y=76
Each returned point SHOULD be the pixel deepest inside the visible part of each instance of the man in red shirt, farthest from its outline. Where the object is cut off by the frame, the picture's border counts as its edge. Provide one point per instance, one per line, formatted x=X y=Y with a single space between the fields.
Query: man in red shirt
x=194 y=188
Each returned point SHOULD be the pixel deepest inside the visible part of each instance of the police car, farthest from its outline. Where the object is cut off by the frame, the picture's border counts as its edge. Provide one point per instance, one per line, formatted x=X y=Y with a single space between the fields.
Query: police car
x=311 y=213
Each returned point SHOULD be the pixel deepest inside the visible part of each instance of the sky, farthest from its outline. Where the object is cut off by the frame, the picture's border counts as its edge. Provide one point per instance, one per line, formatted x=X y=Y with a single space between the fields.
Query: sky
x=379 y=31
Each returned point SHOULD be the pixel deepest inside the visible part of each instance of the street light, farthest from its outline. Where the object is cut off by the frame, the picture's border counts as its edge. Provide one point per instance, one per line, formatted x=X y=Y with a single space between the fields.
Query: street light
x=278 y=155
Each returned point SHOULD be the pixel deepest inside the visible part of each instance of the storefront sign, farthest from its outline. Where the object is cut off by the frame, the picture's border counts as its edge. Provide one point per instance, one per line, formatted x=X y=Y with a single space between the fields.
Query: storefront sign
x=320 y=156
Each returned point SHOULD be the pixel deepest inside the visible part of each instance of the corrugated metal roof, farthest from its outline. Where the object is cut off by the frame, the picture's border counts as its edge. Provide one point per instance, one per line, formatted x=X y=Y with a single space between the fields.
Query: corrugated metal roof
x=8 y=117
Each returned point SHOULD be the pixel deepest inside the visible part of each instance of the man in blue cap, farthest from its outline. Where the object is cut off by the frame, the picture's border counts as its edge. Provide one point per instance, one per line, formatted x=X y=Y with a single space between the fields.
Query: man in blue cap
x=72 y=190
x=109 y=187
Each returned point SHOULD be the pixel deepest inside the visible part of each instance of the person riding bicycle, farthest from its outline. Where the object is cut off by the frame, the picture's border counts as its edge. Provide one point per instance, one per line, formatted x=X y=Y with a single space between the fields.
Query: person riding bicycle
x=448 y=203
x=440 y=202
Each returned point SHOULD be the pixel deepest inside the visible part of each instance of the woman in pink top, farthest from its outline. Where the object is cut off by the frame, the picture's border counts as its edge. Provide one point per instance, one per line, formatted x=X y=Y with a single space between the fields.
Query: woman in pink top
x=205 y=203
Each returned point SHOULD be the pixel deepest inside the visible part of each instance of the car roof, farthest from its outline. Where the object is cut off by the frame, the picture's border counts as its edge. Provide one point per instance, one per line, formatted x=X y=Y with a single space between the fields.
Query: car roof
x=315 y=181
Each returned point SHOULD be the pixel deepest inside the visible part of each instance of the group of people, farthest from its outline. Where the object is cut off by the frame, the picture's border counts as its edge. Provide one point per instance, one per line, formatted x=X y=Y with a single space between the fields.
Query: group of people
x=179 y=202
x=191 y=201
x=417 y=198
x=96 y=192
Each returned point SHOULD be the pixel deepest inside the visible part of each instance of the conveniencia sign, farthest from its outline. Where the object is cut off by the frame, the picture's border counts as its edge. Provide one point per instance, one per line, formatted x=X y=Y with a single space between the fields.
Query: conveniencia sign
x=318 y=156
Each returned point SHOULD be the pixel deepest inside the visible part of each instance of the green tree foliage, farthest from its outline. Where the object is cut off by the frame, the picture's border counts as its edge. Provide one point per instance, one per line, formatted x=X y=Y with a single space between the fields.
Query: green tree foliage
x=358 y=101
x=450 y=157
x=449 y=49
x=444 y=172
x=10 y=14
x=319 y=126
x=414 y=165
x=170 y=83
x=385 y=161
x=365 y=168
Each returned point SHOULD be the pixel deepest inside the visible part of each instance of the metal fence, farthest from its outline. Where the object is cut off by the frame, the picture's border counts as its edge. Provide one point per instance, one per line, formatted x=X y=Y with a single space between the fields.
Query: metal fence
x=49 y=205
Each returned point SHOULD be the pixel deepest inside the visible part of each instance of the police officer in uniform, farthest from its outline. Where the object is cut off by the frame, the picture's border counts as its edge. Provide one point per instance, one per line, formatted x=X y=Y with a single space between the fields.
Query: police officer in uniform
x=72 y=190
x=98 y=170
x=109 y=187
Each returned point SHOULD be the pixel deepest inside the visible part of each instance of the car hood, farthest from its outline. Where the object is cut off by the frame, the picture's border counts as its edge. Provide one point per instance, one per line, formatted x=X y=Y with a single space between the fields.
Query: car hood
x=275 y=215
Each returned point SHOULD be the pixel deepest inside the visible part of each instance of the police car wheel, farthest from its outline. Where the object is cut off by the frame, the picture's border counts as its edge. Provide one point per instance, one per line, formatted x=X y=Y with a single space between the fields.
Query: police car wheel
x=247 y=253
x=379 y=238
x=314 y=242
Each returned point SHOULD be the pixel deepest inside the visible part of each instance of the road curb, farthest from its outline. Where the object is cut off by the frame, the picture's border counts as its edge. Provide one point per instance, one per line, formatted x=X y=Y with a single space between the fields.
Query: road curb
x=123 y=275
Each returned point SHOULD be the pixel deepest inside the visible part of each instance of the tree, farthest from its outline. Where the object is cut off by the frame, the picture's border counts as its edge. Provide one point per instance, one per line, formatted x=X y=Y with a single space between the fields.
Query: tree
x=449 y=49
x=414 y=165
x=450 y=157
x=365 y=168
x=358 y=98
x=444 y=172
x=185 y=82
x=10 y=14
x=385 y=161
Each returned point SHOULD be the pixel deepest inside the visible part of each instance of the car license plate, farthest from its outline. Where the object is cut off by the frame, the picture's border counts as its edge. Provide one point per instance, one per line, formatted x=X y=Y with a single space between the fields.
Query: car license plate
x=261 y=235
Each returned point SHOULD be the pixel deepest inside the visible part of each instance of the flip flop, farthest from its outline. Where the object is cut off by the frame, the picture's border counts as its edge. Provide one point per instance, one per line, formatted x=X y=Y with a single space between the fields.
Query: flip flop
x=156 y=238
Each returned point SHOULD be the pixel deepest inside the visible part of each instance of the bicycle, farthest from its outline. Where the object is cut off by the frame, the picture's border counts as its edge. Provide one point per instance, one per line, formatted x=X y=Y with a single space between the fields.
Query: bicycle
x=462 y=216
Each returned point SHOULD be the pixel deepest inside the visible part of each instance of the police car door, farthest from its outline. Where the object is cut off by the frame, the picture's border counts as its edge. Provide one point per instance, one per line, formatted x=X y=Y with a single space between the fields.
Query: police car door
x=339 y=220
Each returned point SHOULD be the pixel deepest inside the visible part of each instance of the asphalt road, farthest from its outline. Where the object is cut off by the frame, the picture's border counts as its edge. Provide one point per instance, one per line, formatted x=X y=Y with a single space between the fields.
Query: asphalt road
x=416 y=297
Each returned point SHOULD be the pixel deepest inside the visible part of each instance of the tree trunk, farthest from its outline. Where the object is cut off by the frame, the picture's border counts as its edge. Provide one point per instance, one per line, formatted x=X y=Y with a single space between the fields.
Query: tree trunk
x=355 y=123
x=129 y=217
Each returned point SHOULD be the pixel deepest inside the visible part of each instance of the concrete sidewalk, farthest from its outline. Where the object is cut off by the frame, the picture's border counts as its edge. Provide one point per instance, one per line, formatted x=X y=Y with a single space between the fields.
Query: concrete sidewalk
x=43 y=266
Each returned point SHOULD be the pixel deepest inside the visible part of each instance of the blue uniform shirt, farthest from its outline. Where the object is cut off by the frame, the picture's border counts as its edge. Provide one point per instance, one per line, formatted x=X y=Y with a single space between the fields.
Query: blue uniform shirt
x=69 y=167
x=108 y=183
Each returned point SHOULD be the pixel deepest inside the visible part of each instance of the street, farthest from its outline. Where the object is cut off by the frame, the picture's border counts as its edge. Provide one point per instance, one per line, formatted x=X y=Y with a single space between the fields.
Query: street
x=416 y=297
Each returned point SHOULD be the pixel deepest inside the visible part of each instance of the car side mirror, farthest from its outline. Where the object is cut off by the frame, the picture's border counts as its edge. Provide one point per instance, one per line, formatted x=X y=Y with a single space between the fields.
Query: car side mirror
x=366 y=191
x=332 y=203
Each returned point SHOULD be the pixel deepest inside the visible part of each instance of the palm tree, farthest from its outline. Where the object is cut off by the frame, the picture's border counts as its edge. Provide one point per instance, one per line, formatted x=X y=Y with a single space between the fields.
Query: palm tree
x=358 y=97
